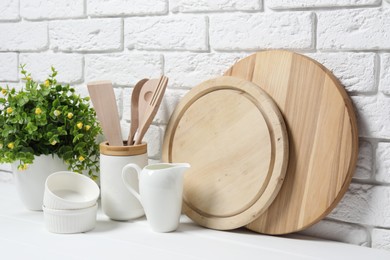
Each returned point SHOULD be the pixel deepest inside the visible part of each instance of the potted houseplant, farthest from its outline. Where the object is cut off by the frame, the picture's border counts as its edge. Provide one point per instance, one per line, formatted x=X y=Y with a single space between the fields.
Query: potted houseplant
x=46 y=127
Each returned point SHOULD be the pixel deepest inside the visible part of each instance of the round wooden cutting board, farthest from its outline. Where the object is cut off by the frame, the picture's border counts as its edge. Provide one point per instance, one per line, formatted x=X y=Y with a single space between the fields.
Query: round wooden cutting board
x=234 y=137
x=322 y=132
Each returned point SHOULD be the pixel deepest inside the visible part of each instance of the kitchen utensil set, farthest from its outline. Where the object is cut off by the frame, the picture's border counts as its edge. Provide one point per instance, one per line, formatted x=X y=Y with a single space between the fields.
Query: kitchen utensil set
x=144 y=106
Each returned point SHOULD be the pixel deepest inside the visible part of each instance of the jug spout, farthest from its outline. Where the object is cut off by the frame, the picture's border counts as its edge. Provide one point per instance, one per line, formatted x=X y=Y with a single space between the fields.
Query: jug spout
x=180 y=168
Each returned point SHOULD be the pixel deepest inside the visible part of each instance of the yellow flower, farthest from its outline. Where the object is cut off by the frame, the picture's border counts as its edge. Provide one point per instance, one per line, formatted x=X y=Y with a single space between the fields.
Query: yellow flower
x=11 y=145
x=3 y=91
x=79 y=125
x=9 y=110
x=70 y=115
x=23 y=167
x=87 y=127
x=46 y=83
x=54 y=142
x=57 y=112
x=81 y=158
x=38 y=111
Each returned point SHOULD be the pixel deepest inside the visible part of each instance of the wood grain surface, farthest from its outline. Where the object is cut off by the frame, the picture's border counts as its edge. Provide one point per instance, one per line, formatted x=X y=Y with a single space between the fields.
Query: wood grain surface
x=322 y=132
x=104 y=102
x=124 y=150
x=234 y=137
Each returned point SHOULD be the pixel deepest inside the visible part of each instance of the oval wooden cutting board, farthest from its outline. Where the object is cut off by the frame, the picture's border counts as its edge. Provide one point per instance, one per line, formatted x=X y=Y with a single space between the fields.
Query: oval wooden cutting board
x=322 y=132
x=234 y=137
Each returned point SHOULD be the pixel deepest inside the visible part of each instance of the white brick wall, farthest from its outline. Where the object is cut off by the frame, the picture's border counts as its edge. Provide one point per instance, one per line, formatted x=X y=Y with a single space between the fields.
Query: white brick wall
x=166 y=33
x=197 y=6
x=9 y=10
x=292 y=30
x=51 y=9
x=9 y=66
x=354 y=29
x=24 y=36
x=70 y=66
x=86 y=35
x=193 y=40
x=126 y=7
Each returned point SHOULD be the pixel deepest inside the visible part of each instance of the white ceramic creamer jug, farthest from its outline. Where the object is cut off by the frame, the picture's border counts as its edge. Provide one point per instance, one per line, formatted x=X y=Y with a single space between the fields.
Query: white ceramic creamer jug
x=160 y=192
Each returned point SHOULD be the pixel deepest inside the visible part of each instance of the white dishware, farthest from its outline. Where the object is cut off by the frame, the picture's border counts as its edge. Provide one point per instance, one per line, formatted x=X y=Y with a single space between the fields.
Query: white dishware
x=71 y=220
x=117 y=202
x=160 y=192
x=69 y=190
x=30 y=183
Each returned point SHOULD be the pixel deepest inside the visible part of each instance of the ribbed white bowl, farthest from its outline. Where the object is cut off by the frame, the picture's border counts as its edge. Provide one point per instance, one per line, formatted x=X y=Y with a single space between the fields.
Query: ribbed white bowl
x=69 y=190
x=71 y=220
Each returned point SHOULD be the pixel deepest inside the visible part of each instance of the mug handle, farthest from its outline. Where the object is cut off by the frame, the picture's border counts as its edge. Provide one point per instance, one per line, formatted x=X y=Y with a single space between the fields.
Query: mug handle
x=128 y=172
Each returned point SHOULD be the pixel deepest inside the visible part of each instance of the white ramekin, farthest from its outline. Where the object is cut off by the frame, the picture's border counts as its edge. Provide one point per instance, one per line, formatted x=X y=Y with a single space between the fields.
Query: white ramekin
x=69 y=190
x=71 y=220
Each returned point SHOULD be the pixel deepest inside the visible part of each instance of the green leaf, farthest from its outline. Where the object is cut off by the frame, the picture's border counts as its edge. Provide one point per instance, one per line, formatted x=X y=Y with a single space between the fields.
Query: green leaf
x=77 y=137
x=31 y=128
x=22 y=100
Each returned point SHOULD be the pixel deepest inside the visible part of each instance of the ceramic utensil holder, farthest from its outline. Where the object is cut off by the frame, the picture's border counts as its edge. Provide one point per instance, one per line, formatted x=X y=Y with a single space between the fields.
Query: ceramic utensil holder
x=117 y=202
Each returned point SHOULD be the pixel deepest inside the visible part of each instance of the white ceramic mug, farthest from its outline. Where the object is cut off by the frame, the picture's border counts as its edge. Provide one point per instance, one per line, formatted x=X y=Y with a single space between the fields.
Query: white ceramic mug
x=117 y=202
x=160 y=192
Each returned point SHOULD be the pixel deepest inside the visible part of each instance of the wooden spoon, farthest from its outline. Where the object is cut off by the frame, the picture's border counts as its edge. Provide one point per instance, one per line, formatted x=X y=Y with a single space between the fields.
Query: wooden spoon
x=151 y=109
x=134 y=110
x=103 y=99
x=145 y=96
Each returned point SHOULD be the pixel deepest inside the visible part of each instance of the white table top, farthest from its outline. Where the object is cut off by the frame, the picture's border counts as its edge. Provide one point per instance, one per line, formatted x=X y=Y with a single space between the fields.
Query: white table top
x=23 y=236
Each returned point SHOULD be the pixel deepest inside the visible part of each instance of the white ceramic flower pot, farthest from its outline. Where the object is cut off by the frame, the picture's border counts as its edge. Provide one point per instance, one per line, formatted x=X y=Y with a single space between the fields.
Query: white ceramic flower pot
x=30 y=183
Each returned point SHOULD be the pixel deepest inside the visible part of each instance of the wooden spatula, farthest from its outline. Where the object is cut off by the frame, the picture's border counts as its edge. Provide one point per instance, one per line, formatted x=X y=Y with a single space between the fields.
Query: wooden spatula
x=134 y=110
x=103 y=100
x=151 y=109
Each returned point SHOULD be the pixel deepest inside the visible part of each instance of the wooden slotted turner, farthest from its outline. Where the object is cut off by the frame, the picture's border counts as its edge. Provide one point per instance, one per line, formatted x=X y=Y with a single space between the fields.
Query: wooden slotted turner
x=151 y=109
x=103 y=100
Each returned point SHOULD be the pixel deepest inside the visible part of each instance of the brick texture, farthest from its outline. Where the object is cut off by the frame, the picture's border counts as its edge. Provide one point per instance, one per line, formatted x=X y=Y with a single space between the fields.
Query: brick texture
x=354 y=29
x=122 y=69
x=379 y=238
x=9 y=67
x=382 y=173
x=69 y=66
x=188 y=70
x=9 y=10
x=177 y=33
x=126 y=7
x=356 y=71
x=51 y=9
x=288 y=4
x=339 y=231
x=363 y=204
x=86 y=35
x=373 y=116
x=291 y=30
x=384 y=84
x=13 y=36
x=188 y=6
x=365 y=161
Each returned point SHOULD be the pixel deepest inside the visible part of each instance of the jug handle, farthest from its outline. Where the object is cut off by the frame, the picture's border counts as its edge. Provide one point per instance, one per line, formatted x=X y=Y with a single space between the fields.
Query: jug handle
x=127 y=171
